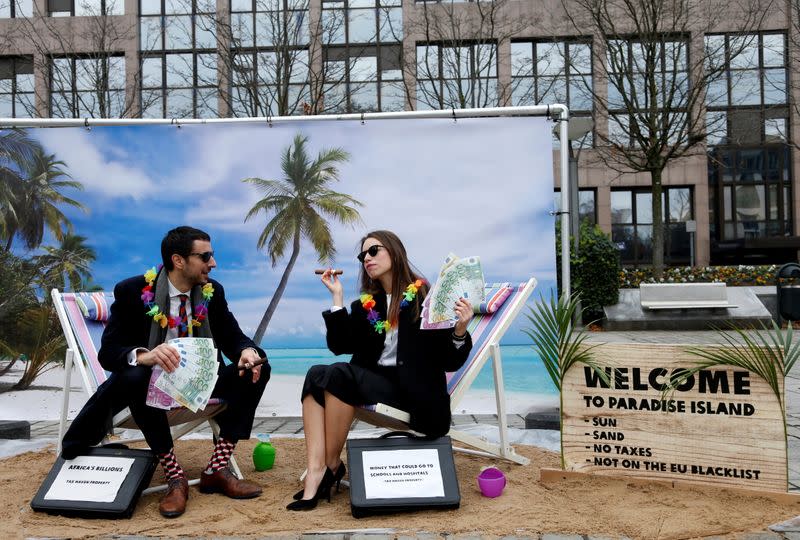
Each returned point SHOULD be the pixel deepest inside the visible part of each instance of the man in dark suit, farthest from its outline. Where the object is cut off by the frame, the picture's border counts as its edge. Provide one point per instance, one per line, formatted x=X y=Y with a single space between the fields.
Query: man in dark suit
x=147 y=311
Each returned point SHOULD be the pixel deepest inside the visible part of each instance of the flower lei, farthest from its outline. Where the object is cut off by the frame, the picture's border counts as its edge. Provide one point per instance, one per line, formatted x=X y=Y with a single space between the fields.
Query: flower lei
x=200 y=310
x=368 y=303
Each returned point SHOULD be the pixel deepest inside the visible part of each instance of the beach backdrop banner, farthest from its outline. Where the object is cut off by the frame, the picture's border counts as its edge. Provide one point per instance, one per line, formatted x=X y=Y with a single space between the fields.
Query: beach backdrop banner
x=471 y=187
x=723 y=425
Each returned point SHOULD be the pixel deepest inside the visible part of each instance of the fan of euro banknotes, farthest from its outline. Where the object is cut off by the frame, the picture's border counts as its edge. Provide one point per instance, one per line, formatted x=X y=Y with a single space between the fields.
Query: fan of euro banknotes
x=458 y=278
x=192 y=382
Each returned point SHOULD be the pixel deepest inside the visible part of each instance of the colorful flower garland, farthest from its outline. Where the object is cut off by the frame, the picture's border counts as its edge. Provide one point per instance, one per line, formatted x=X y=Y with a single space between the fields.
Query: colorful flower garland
x=200 y=310
x=368 y=303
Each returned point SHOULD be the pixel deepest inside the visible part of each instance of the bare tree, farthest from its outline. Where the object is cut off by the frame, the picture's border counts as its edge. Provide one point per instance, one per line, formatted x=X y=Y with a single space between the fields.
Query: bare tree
x=455 y=64
x=656 y=63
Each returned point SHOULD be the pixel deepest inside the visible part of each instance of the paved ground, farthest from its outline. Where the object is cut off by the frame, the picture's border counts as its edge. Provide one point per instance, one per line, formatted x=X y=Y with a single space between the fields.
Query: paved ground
x=293 y=425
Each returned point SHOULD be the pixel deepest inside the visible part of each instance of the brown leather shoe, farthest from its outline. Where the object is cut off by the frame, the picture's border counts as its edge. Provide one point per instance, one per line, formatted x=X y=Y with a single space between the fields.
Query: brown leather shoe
x=223 y=481
x=173 y=504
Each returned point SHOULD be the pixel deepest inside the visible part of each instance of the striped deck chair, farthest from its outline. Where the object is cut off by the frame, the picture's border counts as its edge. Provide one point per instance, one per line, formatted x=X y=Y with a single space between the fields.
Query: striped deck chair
x=486 y=331
x=83 y=318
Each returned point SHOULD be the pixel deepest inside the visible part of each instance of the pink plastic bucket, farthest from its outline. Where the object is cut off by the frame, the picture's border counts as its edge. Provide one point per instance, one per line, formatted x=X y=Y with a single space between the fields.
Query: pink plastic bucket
x=492 y=481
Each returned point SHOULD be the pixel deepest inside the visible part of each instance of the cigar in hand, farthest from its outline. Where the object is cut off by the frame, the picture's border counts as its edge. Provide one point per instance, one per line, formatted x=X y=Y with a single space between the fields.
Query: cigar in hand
x=258 y=362
x=320 y=271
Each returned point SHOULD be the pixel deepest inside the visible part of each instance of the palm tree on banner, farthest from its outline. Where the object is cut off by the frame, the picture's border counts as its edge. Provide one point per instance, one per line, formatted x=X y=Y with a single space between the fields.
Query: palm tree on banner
x=36 y=200
x=17 y=150
x=69 y=263
x=297 y=206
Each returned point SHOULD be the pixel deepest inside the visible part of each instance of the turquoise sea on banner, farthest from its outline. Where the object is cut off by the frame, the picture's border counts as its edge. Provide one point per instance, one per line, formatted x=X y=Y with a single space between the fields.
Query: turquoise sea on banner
x=522 y=370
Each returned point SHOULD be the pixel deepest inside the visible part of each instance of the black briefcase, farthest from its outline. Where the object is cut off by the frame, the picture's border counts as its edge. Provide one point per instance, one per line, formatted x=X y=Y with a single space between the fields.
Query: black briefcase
x=103 y=482
x=401 y=472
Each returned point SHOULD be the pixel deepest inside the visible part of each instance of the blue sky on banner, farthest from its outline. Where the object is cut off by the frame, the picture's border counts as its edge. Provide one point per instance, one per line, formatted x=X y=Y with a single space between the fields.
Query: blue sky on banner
x=472 y=187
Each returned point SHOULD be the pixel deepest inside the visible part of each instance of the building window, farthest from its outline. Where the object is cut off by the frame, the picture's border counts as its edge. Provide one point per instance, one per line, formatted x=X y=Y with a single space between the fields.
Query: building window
x=362 y=56
x=270 y=57
x=456 y=76
x=747 y=103
x=587 y=207
x=10 y=9
x=552 y=72
x=85 y=8
x=630 y=66
x=361 y=21
x=17 y=98
x=632 y=224
x=179 y=59
x=750 y=192
x=87 y=87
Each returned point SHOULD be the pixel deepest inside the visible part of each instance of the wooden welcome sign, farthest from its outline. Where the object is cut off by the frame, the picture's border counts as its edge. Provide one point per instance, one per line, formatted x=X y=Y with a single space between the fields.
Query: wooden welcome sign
x=723 y=426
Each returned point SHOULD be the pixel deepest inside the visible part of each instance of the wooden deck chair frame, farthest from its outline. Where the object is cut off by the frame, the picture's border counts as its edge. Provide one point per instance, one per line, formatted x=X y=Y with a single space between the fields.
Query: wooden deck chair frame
x=82 y=354
x=383 y=415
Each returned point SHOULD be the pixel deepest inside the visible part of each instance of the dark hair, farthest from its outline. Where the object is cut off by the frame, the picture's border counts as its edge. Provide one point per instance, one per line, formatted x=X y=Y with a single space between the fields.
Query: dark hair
x=402 y=274
x=179 y=241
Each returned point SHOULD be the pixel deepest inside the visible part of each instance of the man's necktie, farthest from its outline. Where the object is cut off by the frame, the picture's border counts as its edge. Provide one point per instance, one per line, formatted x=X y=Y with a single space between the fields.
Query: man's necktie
x=183 y=328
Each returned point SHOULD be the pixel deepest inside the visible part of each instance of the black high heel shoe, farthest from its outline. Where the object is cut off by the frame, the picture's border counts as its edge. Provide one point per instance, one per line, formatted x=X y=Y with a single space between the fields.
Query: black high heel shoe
x=341 y=470
x=323 y=490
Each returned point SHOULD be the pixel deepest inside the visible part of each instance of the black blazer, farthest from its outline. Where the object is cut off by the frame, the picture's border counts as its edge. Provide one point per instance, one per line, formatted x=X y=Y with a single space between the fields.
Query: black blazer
x=423 y=358
x=129 y=327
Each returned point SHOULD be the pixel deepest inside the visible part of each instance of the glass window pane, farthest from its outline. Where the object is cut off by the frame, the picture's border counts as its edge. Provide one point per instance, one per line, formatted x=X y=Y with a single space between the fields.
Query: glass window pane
x=522 y=91
x=552 y=90
x=23 y=8
x=774 y=86
x=750 y=204
x=207 y=69
x=744 y=51
x=5 y=13
x=205 y=32
x=549 y=58
x=116 y=103
x=361 y=25
x=180 y=71
x=644 y=208
x=391 y=24
x=242 y=30
x=179 y=104
x=623 y=237
x=580 y=95
x=335 y=98
x=25 y=82
x=586 y=205
x=207 y=104
x=393 y=97
x=580 y=59
x=680 y=204
x=773 y=202
x=773 y=50
x=716 y=128
x=150 y=7
x=455 y=62
x=241 y=5
x=364 y=69
x=178 y=32
x=364 y=97
x=150 y=33
x=151 y=72
x=427 y=62
x=6 y=106
x=177 y=6
x=87 y=8
x=745 y=88
x=775 y=130
x=61 y=105
x=333 y=26
x=618 y=130
x=298 y=67
x=521 y=59
x=621 y=207
x=297 y=28
x=152 y=104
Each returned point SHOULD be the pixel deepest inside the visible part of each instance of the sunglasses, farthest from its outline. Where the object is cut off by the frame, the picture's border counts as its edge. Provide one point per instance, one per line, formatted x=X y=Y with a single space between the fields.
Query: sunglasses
x=205 y=256
x=372 y=251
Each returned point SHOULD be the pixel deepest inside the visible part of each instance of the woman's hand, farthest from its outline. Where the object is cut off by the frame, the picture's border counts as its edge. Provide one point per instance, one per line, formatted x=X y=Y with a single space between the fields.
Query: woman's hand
x=463 y=311
x=334 y=284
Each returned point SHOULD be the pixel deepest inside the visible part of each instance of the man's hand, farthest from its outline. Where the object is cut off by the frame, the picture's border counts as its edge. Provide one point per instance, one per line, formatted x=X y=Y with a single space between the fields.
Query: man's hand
x=248 y=360
x=163 y=355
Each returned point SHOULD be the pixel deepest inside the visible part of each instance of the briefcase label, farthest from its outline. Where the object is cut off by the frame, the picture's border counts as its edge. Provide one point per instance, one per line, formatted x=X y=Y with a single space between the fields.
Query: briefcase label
x=90 y=478
x=402 y=474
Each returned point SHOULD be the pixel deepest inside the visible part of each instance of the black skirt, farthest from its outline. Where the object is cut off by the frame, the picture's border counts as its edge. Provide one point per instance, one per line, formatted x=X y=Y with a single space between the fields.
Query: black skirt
x=355 y=385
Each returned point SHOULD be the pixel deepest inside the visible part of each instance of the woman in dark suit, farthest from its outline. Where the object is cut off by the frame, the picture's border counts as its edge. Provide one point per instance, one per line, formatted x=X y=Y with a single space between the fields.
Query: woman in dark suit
x=393 y=362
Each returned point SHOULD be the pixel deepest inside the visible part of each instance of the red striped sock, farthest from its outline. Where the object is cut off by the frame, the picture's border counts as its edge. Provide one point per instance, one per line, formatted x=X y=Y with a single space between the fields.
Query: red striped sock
x=221 y=457
x=172 y=468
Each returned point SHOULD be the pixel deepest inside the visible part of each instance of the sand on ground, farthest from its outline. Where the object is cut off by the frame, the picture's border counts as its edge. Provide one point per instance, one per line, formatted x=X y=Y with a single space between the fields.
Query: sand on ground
x=586 y=505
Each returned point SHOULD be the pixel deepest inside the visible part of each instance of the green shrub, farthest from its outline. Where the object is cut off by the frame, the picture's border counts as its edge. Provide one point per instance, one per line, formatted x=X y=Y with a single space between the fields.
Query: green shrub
x=594 y=270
